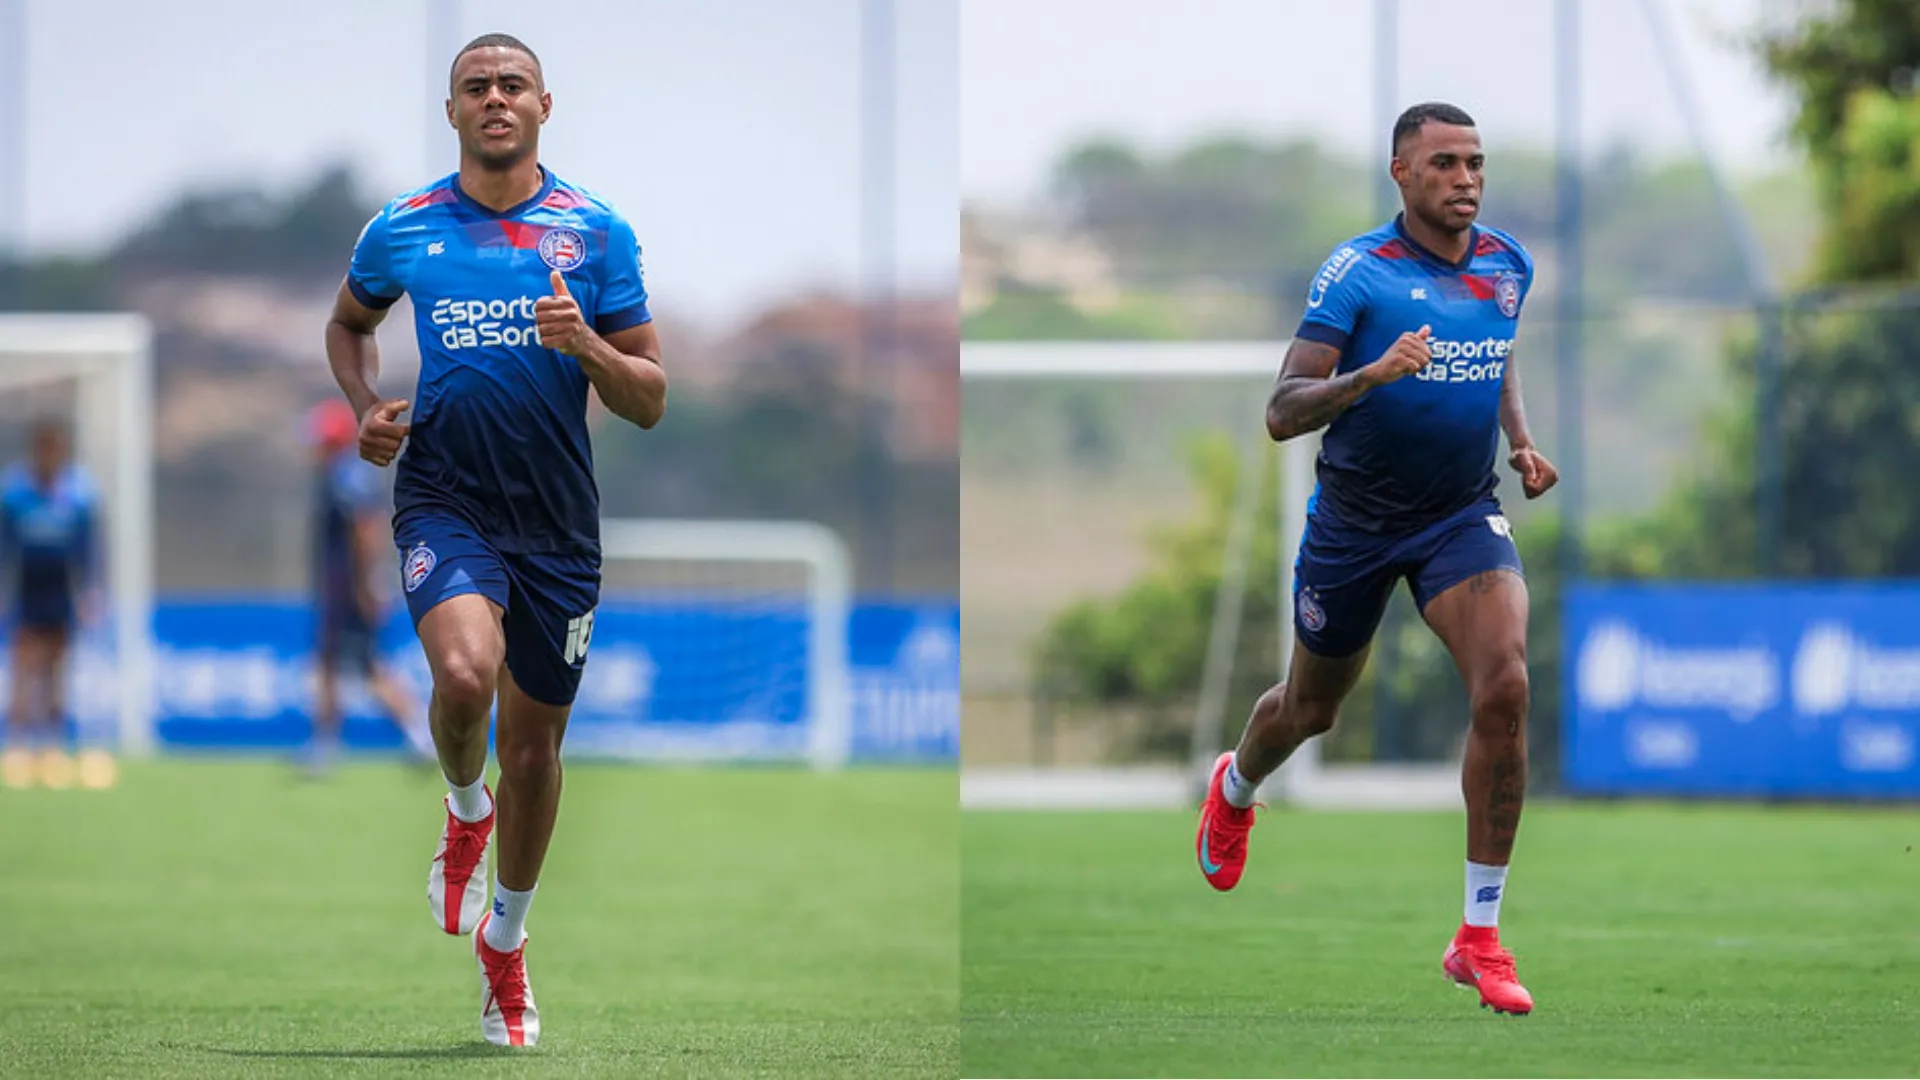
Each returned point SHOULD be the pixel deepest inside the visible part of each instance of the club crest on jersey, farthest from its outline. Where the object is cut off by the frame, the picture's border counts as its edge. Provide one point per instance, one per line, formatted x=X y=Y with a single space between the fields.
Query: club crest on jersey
x=1312 y=615
x=563 y=249
x=1506 y=293
x=420 y=563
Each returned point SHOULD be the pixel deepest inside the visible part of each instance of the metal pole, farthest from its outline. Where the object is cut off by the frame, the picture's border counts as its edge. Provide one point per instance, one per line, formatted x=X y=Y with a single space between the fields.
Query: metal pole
x=13 y=153
x=878 y=299
x=1769 y=354
x=1569 y=308
x=442 y=40
x=1386 y=99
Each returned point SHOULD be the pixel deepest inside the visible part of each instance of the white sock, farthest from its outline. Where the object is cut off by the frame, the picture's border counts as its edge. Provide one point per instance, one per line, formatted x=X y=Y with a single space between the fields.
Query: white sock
x=470 y=803
x=509 y=922
x=1236 y=788
x=1485 y=886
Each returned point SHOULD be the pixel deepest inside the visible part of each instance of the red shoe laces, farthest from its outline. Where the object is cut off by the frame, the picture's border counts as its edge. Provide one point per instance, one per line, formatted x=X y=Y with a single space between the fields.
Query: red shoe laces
x=506 y=977
x=465 y=843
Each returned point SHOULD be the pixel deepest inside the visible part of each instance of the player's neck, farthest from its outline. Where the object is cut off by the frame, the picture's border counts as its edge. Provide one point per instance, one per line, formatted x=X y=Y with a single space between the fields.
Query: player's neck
x=1452 y=247
x=501 y=189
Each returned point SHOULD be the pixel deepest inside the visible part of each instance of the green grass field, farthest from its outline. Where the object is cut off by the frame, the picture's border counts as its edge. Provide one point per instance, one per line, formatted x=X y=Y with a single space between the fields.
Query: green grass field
x=210 y=919
x=1657 y=941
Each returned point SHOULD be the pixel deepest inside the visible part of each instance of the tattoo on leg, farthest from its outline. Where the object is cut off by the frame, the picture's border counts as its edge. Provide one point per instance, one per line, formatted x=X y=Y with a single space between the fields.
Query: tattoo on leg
x=1505 y=795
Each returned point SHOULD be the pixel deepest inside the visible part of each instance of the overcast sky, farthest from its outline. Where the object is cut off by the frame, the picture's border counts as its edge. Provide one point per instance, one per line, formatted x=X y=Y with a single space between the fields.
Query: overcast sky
x=1036 y=76
x=729 y=133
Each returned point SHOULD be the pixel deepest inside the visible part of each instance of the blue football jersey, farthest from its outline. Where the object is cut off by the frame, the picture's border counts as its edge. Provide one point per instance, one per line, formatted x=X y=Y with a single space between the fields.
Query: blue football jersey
x=499 y=432
x=48 y=536
x=348 y=488
x=1415 y=450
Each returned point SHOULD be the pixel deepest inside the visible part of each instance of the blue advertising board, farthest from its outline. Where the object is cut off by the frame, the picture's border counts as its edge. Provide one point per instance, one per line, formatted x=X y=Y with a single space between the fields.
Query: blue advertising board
x=679 y=680
x=1805 y=691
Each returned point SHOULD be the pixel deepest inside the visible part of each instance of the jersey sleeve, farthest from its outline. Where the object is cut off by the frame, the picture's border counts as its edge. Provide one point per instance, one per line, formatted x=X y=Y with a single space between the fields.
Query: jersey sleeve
x=370 y=275
x=623 y=293
x=1526 y=272
x=1335 y=300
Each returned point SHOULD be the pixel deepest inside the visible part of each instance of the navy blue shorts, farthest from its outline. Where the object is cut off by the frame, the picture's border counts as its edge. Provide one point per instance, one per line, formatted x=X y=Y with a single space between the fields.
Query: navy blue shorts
x=1344 y=576
x=548 y=598
x=45 y=608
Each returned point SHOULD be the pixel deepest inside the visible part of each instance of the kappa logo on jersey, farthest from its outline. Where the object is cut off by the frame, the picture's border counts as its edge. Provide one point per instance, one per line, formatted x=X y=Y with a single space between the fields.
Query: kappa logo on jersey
x=420 y=563
x=563 y=249
x=1506 y=293
x=579 y=636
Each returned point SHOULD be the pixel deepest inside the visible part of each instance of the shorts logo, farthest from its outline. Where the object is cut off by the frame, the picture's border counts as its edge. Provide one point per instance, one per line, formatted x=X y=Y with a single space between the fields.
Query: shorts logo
x=1498 y=523
x=563 y=249
x=579 y=635
x=1506 y=293
x=420 y=563
x=1312 y=615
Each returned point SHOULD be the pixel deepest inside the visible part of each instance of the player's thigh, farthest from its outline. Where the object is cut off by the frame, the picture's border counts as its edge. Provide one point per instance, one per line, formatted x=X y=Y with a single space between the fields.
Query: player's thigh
x=456 y=587
x=1472 y=591
x=1341 y=582
x=1321 y=683
x=549 y=624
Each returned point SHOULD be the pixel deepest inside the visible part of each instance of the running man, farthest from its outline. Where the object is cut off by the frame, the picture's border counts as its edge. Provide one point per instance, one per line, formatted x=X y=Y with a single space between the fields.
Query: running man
x=350 y=538
x=49 y=544
x=526 y=292
x=1405 y=357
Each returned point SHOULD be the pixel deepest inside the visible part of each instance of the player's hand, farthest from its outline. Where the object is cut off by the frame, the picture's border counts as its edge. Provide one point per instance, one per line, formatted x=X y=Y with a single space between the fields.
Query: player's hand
x=1404 y=357
x=562 y=327
x=1537 y=474
x=382 y=432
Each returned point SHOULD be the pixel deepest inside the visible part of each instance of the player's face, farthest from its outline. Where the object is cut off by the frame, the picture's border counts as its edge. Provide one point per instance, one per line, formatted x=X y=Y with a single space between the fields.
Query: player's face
x=49 y=452
x=1439 y=170
x=497 y=106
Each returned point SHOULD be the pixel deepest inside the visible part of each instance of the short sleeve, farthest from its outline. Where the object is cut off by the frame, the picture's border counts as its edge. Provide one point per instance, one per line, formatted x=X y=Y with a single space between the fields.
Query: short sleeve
x=1335 y=300
x=1526 y=272
x=622 y=299
x=370 y=276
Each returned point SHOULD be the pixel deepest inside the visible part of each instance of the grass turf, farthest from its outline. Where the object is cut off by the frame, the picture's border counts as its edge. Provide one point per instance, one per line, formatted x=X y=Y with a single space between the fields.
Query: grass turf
x=218 y=918
x=1657 y=940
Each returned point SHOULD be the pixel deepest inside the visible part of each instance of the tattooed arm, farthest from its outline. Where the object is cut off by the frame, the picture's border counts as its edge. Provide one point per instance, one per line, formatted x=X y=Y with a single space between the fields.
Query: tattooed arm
x=1309 y=395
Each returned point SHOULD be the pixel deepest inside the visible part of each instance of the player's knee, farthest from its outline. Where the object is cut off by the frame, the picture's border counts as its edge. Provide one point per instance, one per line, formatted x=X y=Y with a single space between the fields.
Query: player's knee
x=529 y=757
x=1500 y=698
x=465 y=682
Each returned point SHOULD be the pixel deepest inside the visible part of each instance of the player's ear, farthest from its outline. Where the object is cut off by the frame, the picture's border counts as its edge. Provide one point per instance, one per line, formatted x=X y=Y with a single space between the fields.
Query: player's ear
x=546 y=106
x=450 y=122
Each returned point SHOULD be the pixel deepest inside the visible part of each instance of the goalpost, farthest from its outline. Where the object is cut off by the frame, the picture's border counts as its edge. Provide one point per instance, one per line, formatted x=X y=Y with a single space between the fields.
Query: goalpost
x=108 y=359
x=731 y=637
x=1306 y=779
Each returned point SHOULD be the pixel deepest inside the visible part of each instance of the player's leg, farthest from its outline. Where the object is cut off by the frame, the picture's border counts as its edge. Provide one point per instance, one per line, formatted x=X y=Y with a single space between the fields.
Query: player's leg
x=456 y=589
x=549 y=627
x=17 y=770
x=1341 y=587
x=58 y=766
x=326 y=695
x=1472 y=594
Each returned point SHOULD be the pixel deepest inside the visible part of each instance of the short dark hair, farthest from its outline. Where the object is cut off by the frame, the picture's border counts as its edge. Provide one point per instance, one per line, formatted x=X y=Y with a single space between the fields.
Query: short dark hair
x=1418 y=116
x=497 y=41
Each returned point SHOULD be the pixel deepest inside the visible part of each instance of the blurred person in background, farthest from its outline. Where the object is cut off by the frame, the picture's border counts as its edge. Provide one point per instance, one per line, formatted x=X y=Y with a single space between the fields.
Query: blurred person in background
x=351 y=539
x=50 y=551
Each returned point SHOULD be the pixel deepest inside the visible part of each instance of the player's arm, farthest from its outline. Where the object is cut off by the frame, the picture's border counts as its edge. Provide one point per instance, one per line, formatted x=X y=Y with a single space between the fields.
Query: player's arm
x=623 y=365
x=1308 y=395
x=1537 y=474
x=626 y=372
x=352 y=350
